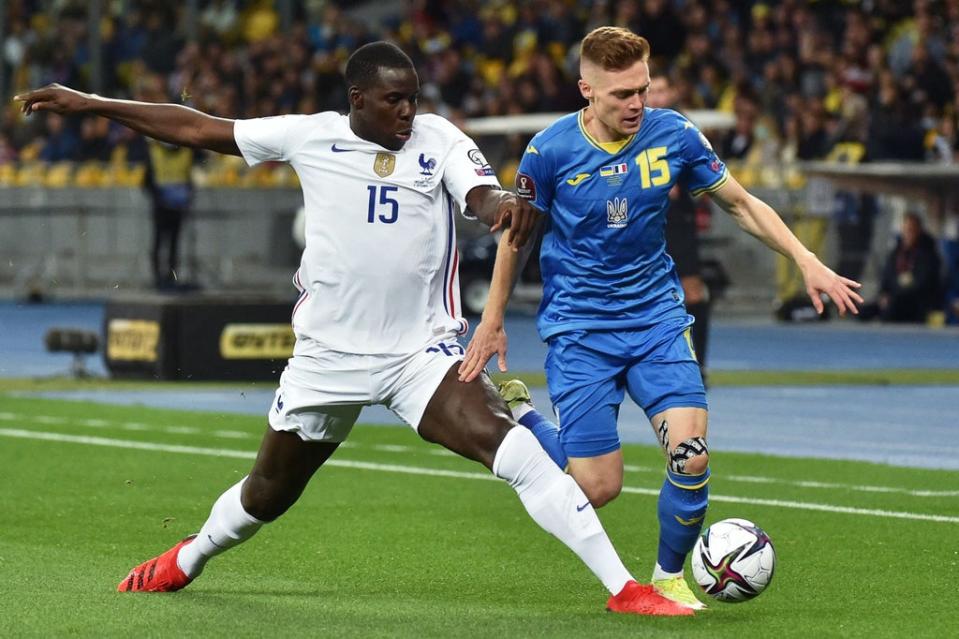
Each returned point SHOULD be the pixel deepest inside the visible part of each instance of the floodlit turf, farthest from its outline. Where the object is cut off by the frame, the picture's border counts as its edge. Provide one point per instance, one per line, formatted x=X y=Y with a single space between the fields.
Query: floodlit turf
x=377 y=546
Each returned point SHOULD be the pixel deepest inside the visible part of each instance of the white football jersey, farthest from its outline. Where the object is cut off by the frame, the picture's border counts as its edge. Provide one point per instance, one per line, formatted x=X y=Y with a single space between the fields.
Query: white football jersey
x=379 y=271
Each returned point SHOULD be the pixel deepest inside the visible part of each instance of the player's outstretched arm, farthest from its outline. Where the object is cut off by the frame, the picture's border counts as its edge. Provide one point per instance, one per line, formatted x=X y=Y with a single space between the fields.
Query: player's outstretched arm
x=500 y=209
x=759 y=219
x=171 y=123
x=490 y=334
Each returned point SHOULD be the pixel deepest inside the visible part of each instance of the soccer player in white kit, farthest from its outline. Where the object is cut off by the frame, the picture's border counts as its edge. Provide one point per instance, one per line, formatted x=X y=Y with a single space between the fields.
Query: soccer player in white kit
x=378 y=313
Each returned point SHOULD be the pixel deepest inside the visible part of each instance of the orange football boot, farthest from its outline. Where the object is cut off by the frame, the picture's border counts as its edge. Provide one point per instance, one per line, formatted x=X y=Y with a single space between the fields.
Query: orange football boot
x=161 y=574
x=642 y=599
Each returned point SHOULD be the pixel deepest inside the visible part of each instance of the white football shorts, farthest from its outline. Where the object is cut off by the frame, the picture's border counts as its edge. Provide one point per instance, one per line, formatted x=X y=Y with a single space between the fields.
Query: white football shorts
x=321 y=393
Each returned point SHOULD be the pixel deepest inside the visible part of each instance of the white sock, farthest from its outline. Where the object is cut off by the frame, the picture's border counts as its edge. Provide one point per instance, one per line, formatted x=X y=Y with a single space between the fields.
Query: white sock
x=521 y=409
x=555 y=501
x=659 y=573
x=228 y=525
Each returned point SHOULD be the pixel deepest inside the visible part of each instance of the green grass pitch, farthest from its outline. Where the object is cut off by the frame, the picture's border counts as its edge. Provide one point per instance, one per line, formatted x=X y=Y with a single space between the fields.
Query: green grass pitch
x=397 y=538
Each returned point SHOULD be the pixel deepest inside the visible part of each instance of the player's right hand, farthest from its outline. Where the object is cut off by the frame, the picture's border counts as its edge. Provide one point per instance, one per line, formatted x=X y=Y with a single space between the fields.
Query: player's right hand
x=54 y=97
x=487 y=339
x=519 y=215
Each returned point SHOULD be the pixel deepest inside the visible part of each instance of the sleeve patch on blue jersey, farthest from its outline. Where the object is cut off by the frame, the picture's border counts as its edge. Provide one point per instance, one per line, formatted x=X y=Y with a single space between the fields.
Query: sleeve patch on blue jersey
x=525 y=186
x=705 y=141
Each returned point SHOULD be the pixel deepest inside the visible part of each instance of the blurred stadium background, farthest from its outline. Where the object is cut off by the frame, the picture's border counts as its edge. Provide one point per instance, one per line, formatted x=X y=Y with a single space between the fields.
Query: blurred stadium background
x=842 y=114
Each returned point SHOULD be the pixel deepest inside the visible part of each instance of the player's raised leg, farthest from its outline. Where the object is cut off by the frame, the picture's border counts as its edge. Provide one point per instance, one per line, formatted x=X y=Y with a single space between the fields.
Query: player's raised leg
x=520 y=403
x=471 y=419
x=283 y=467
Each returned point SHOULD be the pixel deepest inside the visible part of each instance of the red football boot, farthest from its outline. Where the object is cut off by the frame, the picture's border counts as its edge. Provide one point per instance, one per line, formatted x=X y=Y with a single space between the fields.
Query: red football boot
x=642 y=599
x=161 y=574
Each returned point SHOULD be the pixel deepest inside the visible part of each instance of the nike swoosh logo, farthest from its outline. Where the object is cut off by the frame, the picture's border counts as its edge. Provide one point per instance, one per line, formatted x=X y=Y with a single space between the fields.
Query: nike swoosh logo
x=576 y=180
x=580 y=509
x=689 y=522
x=335 y=149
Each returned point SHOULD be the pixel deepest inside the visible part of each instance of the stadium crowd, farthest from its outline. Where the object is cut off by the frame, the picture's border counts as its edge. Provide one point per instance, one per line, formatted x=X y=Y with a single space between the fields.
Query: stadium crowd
x=799 y=76
x=848 y=80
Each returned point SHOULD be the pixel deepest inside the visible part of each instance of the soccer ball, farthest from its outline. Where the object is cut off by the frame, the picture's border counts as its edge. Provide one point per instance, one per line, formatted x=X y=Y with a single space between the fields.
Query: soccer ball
x=733 y=560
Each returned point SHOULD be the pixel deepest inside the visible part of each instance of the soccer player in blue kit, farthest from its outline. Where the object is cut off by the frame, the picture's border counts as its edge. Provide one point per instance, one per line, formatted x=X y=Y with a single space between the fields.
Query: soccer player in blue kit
x=612 y=312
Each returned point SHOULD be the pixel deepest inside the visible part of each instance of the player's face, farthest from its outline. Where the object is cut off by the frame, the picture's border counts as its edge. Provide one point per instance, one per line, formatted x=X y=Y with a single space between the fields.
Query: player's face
x=384 y=111
x=618 y=97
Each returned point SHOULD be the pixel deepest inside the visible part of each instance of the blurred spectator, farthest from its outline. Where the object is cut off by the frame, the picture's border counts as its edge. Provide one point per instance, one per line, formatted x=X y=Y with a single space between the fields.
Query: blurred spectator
x=220 y=17
x=894 y=132
x=886 y=72
x=169 y=184
x=61 y=142
x=682 y=234
x=94 y=139
x=910 y=287
x=7 y=152
x=738 y=141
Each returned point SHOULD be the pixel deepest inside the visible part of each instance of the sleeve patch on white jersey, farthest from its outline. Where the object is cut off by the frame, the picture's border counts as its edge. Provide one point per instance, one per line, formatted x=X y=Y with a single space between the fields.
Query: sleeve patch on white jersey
x=476 y=157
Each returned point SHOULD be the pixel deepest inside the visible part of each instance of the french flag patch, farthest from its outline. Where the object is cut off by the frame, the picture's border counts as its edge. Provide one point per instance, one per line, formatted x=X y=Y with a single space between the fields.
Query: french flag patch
x=613 y=169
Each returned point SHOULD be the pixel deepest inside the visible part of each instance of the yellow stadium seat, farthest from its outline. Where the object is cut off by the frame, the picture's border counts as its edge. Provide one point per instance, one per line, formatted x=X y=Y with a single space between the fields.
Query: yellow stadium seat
x=89 y=175
x=8 y=175
x=59 y=175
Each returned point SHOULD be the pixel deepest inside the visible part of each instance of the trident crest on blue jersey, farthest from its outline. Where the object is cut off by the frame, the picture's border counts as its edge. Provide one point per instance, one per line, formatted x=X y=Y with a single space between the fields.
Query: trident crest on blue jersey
x=617 y=211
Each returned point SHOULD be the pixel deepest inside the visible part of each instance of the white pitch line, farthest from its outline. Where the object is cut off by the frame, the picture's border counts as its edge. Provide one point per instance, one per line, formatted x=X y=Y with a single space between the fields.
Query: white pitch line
x=391 y=448
x=435 y=472
x=181 y=430
x=232 y=434
x=803 y=505
x=750 y=479
x=228 y=434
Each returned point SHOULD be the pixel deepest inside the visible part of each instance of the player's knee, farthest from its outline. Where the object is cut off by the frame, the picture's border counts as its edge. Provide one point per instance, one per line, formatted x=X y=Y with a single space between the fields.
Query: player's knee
x=600 y=490
x=689 y=457
x=697 y=465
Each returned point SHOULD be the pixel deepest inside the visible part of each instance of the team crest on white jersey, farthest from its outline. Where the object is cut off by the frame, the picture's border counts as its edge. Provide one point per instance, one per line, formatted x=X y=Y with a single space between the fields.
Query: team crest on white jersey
x=427 y=164
x=617 y=212
x=384 y=164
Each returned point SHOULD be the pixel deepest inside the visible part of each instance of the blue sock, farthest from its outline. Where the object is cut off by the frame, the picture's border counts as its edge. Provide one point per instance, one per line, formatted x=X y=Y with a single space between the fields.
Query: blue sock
x=548 y=435
x=682 y=509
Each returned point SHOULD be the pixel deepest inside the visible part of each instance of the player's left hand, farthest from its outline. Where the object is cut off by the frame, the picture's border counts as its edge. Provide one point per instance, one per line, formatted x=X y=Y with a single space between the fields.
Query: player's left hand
x=54 y=97
x=519 y=215
x=821 y=279
x=488 y=338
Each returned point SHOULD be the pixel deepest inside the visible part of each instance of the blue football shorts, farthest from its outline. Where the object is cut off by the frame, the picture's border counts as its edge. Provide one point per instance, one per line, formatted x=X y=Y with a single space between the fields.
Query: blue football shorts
x=589 y=372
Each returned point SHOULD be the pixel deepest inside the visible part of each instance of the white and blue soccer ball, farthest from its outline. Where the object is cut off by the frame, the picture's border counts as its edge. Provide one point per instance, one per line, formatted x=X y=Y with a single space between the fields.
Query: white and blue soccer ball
x=733 y=560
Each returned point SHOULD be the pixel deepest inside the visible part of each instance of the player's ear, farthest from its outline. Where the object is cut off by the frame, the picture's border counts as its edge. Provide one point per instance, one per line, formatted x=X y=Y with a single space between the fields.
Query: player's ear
x=356 y=97
x=585 y=90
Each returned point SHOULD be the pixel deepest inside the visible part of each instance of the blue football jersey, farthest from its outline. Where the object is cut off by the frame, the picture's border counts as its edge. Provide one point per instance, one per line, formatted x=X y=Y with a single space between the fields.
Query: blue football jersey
x=603 y=258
